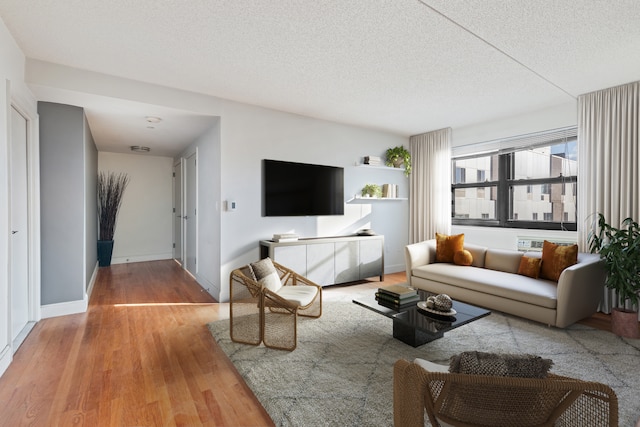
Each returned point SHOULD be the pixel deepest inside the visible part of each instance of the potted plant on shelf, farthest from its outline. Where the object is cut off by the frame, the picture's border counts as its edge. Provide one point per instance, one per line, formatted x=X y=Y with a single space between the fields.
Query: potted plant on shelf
x=398 y=156
x=110 y=190
x=372 y=190
x=620 y=250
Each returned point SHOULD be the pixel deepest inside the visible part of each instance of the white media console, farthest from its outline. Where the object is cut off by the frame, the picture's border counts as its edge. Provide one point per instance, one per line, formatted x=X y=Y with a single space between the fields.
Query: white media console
x=330 y=260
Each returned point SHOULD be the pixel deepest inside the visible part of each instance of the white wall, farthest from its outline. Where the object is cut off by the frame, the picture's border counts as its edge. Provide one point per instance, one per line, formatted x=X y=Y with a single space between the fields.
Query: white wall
x=145 y=221
x=12 y=89
x=251 y=134
x=209 y=176
x=556 y=117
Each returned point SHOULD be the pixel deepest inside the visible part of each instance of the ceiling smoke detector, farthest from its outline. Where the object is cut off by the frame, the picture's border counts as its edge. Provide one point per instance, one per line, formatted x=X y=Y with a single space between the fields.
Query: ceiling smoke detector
x=140 y=149
x=153 y=119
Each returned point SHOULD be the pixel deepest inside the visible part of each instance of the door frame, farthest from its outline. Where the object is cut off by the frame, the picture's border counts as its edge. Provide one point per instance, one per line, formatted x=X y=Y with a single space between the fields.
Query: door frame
x=187 y=243
x=179 y=164
x=20 y=104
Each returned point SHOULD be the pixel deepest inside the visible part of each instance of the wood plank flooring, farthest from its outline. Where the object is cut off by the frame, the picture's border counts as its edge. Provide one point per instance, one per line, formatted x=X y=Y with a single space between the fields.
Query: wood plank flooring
x=140 y=356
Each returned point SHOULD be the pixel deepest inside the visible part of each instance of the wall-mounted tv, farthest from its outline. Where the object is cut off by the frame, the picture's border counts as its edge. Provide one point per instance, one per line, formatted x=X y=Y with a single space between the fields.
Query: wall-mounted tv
x=301 y=189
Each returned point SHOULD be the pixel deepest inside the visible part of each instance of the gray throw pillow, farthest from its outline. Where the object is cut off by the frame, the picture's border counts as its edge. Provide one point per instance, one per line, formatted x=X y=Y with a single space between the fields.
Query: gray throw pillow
x=263 y=268
x=502 y=365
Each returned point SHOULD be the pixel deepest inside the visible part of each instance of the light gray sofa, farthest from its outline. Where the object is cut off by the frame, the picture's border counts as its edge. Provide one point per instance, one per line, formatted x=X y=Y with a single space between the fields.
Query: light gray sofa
x=492 y=282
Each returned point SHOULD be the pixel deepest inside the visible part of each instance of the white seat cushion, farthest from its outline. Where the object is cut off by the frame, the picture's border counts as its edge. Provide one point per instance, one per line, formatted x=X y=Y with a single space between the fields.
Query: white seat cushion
x=271 y=282
x=430 y=366
x=302 y=295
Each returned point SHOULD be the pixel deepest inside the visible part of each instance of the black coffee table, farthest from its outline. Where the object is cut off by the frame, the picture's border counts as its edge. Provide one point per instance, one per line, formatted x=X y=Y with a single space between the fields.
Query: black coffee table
x=416 y=327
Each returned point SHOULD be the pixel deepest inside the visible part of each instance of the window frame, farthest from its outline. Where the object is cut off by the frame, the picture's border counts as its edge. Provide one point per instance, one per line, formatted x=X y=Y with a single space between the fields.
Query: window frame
x=504 y=201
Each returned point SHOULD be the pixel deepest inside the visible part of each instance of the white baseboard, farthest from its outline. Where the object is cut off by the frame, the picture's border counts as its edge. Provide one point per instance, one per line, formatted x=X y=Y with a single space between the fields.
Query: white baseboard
x=64 y=308
x=92 y=281
x=208 y=287
x=388 y=269
x=6 y=356
x=141 y=258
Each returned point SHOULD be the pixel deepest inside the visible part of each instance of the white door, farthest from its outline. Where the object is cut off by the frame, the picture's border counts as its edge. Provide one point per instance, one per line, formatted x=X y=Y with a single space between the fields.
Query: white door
x=191 y=211
x=19 y=229
x=177 y=211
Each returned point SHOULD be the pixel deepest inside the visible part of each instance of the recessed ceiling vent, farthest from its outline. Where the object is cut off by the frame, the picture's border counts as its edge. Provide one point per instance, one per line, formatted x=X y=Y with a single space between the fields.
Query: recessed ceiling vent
x=140 y=149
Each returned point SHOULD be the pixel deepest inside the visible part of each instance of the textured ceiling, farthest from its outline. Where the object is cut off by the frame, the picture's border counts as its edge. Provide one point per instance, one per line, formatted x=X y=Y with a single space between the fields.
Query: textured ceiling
x=404 y=66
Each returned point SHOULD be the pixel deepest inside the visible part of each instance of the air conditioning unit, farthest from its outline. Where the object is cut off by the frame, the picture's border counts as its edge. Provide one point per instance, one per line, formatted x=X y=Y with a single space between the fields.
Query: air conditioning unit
x=534 y=244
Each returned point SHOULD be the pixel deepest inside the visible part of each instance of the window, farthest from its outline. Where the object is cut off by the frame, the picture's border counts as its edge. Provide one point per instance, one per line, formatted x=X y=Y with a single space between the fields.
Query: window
x=526 y=182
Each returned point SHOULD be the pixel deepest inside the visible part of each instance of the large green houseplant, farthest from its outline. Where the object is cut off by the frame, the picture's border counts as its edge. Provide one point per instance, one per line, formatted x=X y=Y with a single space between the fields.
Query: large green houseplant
x=110 y=191
x=397 y=156
x=619 y=248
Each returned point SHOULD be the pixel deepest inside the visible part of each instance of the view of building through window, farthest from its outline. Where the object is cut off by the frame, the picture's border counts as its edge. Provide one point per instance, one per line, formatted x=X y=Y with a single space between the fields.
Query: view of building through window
x=515 y=188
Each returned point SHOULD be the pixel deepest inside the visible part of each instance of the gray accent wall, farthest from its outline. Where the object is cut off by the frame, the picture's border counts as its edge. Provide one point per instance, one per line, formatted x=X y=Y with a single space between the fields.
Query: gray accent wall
x=65 y=166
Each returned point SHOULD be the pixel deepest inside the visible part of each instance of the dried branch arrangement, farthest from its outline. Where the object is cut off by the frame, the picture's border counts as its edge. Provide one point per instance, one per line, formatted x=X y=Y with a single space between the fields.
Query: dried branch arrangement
x=111 y=188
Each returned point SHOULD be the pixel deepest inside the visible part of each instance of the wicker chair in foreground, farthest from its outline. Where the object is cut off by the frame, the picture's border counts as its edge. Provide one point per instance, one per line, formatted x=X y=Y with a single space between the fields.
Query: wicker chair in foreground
x=478 y=400
x=265 y=309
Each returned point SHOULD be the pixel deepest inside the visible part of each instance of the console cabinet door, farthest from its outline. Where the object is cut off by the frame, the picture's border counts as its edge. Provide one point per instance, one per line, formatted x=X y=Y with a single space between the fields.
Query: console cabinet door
x=347 y=259
x=371 y=262
x=293 y=257
x=320 y=268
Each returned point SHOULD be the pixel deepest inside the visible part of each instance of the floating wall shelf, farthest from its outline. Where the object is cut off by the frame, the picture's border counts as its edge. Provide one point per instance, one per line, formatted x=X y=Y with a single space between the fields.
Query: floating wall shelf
x=375 y=199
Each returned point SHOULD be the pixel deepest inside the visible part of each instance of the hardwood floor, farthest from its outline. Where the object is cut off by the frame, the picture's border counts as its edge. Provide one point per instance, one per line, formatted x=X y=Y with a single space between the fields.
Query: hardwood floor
x=140 y=356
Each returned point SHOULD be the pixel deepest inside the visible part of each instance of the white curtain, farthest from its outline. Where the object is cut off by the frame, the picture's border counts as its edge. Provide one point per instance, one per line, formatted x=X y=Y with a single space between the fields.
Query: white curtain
x=430 y=185
x=608 y=171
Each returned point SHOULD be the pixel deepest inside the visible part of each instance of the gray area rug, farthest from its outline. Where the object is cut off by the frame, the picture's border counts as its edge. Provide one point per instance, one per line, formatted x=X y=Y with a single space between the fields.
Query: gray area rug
x=341 y=373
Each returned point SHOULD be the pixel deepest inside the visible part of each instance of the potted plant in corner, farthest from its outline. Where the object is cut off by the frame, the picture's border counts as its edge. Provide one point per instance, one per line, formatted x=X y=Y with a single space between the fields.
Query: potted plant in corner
x=398 y=156
x=620 y=250
x=110 y=189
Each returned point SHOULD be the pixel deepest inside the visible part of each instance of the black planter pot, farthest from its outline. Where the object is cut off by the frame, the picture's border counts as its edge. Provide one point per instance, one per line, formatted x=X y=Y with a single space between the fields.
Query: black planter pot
x=105 y=250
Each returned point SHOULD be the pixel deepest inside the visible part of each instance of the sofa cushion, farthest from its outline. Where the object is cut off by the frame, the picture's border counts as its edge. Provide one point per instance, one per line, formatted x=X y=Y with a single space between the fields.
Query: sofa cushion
x=530 y=267
x=512 y=286
x=477 y=252
x=556 y=258
x=447 y=246
x=501 y=365
x=502 y=260
x=463 y=257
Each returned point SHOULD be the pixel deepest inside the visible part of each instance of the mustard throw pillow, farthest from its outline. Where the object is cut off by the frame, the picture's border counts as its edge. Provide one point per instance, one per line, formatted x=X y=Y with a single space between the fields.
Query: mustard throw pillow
x=447 y=246
x=529 y=267
x=556 y=258
x=463 y=257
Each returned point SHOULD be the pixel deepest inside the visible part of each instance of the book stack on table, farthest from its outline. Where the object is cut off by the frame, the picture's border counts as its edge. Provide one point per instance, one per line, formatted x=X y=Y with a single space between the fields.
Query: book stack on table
x=397 y=296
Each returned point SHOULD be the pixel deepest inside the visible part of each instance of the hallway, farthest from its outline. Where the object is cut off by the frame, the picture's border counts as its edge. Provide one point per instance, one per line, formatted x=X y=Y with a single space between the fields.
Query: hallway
x=141 y=355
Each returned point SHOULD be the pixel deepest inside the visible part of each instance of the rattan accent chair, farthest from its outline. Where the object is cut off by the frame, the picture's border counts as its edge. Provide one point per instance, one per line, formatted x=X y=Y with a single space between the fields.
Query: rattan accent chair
x=260 y=315
x=479 y=400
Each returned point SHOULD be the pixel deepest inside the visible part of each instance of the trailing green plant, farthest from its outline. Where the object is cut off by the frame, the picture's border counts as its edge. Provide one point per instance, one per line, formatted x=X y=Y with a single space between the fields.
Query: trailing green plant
x=620 y=250
x=110 y=190
x=372 y=190
x=397 y=156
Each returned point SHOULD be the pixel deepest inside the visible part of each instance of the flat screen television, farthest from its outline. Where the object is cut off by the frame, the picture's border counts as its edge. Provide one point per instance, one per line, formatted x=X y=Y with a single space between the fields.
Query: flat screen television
x=301 y=189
